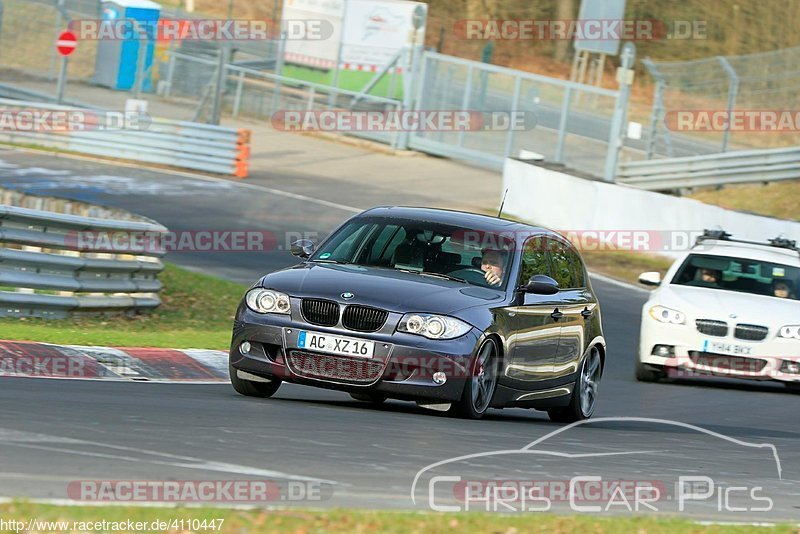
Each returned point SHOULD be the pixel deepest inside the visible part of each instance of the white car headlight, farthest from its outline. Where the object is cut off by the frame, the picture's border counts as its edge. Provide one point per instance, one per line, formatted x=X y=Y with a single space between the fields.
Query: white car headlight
x=262 y=300
x=667 y=315
x=433 y=326
x=790 y=332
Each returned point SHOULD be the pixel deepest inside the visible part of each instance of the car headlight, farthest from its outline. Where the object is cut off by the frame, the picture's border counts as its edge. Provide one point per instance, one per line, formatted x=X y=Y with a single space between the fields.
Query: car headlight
x=790 y=332
x=667 y=315
x=262 y=300
x=433 y=326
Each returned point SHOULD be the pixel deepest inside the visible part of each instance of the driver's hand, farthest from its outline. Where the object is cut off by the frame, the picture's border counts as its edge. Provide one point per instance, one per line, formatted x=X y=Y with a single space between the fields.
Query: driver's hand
x=492 y=278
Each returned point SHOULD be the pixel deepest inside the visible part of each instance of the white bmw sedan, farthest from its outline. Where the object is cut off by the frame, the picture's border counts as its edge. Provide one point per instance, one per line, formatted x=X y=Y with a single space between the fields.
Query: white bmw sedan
x=726 y=308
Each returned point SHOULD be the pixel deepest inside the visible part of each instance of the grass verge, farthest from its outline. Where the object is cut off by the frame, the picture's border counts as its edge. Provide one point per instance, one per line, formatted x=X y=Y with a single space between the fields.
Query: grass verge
x=196 y=312
x=777 y=199
x=624 y=265
x=347 y=521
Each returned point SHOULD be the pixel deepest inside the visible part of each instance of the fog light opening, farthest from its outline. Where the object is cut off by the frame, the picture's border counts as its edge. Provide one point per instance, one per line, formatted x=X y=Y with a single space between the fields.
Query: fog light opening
x=663 y=351
x=790 y=367
x=244 y=348
x=439 y=378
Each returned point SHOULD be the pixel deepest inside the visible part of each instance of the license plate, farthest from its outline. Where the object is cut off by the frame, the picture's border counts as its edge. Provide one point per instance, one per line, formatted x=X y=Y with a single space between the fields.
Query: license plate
x=720 y=347
x=343 y=346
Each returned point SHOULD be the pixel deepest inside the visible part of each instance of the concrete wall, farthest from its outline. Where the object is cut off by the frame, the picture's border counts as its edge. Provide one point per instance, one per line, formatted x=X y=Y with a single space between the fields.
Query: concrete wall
x=568 y=204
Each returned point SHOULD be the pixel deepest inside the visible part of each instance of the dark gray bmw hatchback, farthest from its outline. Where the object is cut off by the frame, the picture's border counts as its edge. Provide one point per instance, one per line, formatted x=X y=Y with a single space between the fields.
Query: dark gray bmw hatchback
x=432 y=306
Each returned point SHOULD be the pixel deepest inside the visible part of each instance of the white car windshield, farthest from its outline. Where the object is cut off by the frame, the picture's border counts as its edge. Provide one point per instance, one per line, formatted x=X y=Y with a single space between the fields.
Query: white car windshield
x=739 y=274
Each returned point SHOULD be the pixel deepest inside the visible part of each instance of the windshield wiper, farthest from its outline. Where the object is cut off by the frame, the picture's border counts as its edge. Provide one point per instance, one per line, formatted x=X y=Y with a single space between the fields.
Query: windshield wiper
x=434 y=275
x=337 y=262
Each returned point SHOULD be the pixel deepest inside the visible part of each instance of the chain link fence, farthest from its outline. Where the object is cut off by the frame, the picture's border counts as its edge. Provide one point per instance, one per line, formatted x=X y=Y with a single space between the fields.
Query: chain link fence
x=28 y=32
x=755 y=82
x=565 y=122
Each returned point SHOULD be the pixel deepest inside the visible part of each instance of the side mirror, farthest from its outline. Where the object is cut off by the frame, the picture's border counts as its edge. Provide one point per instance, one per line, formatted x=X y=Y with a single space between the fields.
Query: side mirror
x=303 y=248
x=541 y=284
x=650 y=278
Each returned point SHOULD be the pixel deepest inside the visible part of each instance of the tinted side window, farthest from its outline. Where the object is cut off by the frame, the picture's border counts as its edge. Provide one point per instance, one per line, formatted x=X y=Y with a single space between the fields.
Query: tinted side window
x=565 y=265
x=534 y=259
x=579 y=276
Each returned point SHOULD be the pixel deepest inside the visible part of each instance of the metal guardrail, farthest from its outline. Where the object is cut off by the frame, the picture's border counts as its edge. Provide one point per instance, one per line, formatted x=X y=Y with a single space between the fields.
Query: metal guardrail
x=745 y=166
x=181 y=144
x=66 y=259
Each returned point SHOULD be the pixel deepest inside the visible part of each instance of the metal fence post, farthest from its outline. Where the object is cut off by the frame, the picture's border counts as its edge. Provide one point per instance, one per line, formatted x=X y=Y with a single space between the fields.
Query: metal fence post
x=312 y=96
x=562 y=126
x=170 y=71
x=216 y=106
x=625 y=78
x=141 y=53
x=733 y=90
x=276 y=90
x=514 y=108
x=412 y=89
x=465 y=102
x=237 y=98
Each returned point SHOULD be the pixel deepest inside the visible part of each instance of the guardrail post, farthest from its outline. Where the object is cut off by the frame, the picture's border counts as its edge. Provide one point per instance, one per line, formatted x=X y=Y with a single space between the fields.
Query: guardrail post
x=625 y=79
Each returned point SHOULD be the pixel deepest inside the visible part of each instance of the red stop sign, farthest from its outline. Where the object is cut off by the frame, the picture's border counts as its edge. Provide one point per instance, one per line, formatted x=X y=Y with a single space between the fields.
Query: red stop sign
x=66 y=43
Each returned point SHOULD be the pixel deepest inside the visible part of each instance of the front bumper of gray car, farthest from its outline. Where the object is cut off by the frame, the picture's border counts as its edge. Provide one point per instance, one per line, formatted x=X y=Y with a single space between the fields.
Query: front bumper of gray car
x=403 y=366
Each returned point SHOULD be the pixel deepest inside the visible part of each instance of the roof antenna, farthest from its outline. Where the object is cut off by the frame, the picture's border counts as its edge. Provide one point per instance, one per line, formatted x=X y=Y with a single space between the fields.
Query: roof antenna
x=499 y=213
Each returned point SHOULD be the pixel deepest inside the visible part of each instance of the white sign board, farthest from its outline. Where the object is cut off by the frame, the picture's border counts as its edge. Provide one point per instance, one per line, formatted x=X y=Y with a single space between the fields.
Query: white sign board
x=374 y=31
x=605 y=11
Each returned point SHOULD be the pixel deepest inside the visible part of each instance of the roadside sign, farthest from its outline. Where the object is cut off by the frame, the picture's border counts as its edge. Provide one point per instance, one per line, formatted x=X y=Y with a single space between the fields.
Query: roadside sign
x=66 y=43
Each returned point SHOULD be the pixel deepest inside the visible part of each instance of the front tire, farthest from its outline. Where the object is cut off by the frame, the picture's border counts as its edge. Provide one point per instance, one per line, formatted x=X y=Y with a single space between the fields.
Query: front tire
x=584 y=394
x=481 y=383
x=374 y=398
x=647 y=373
x=249 y=388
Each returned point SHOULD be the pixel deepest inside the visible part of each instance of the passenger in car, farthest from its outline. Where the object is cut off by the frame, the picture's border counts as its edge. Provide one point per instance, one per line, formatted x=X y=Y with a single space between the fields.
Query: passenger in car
x=705 y=278
x=782 y=288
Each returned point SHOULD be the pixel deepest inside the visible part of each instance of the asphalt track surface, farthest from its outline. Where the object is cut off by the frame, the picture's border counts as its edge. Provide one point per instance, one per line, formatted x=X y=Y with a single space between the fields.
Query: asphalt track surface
x=53 y=432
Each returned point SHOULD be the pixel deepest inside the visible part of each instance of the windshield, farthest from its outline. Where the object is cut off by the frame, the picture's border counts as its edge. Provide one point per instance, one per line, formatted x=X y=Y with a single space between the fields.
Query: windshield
x=739 y=274
x=464 y=255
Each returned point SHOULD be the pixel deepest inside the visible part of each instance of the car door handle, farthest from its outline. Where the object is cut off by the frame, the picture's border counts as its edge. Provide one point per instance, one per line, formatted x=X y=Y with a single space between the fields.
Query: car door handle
x=556 y=314
x=586 y=313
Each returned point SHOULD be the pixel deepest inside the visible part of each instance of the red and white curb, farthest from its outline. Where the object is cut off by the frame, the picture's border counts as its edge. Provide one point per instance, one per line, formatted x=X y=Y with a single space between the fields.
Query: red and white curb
x=45 y=360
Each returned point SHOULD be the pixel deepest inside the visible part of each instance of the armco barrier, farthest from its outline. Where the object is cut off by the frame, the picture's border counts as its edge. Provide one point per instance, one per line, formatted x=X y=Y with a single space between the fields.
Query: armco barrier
x=556 y=199
x=183 y=144
x=43 y=251
x=743 y=166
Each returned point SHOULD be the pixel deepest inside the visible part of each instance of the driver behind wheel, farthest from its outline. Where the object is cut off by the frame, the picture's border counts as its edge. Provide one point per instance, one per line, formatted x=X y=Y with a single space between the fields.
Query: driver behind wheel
x=492 y=265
